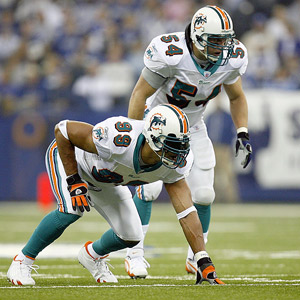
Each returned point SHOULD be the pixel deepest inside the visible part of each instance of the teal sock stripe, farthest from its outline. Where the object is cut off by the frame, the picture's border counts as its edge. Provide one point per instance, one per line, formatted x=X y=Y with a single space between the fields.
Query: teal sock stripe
x=109 y=242
x=204 y=213
x=143 y=207
x=49 y=229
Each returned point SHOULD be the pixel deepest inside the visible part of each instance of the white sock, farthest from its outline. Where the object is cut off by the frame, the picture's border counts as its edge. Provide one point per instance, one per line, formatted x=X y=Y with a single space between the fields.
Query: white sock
x=145 y=229
x=190 y=254
x=140 y=245
x=205 y=237
x=27 y=260
x=92 y=252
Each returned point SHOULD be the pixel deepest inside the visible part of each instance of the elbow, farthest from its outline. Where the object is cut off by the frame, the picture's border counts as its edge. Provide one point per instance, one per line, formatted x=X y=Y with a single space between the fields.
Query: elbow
x=56 y=131
x=60 y=129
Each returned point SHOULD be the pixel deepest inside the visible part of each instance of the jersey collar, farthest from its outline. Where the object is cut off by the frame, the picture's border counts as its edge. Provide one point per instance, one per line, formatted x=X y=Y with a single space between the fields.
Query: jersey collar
x=136 y=164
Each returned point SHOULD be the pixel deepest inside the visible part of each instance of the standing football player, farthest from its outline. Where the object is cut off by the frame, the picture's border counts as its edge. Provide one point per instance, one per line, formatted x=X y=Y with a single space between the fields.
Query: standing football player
x=92 y=165
x=188 y=69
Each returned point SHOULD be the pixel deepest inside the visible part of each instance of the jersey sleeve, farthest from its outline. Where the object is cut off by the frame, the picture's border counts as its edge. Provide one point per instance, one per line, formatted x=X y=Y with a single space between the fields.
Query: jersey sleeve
x=102 y=139
x=238 y=61
x=113 y=136
x=154 y=59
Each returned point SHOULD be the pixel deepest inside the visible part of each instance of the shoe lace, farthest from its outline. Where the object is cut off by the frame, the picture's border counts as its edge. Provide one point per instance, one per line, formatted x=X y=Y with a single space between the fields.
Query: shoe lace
x=28 y=268
x=102 y=264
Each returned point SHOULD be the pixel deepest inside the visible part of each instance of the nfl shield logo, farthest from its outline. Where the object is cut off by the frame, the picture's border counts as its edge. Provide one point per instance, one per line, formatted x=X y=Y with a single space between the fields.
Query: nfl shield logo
x=206 y=74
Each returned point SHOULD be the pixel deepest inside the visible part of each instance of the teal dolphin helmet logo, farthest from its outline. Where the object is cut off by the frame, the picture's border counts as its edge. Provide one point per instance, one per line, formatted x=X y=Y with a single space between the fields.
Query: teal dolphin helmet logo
x=156 y=122
x=199 y=21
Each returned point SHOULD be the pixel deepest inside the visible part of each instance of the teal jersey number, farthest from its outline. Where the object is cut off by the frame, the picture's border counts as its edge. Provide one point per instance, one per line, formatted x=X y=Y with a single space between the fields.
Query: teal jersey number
x=174 y=50
x=180 y=89
x=123 y=126
x=107 y=176
x=169 y=38
x=123 y=140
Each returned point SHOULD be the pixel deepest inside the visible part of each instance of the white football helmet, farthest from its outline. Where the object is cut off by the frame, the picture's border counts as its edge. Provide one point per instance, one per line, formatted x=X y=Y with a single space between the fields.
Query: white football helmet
x=167 y=132
x=212 y=27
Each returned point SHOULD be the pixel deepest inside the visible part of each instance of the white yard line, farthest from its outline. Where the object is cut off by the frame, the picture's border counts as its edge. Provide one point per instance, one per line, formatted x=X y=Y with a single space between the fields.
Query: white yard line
x=144 y=286
x=71 y=251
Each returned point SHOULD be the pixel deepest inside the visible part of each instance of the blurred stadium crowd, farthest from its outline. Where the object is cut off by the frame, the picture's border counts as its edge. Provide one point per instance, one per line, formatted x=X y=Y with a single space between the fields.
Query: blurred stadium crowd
x=61 y=55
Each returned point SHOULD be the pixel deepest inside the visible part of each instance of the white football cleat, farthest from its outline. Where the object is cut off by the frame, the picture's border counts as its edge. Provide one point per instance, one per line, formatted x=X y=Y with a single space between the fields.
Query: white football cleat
x=191 y=266
x=135 y=264
x=97 y=267
x=19 y=273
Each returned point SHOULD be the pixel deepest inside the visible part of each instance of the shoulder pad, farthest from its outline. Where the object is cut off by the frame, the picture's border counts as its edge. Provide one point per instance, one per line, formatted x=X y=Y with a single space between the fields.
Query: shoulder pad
x=239 y=58
x=165 y=51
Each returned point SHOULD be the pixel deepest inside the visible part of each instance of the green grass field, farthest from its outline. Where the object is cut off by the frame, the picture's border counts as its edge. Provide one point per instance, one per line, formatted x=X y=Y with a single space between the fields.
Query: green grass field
x=255 y=248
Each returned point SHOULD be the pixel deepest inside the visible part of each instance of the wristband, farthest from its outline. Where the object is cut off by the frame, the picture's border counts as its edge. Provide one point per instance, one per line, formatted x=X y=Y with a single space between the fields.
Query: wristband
x=242 y=129
x=73 y=179
x=200 y=255
x=187 y=211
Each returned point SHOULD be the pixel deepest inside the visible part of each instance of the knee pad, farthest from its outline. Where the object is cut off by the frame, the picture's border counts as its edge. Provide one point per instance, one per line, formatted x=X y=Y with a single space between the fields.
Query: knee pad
x=150 y=191
x=203 y=196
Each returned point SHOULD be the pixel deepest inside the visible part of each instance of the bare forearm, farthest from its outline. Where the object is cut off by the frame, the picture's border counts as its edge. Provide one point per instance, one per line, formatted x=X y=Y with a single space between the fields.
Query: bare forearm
x=137 y=102
x=192 y=229
x=239 y=111
x=238 y=104
x=181 y=199
x=136 y=106
x=76 y=134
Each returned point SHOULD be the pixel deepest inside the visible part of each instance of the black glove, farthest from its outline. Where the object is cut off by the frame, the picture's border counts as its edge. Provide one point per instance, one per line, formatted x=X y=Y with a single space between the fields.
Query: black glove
x=79 y=192
x=206 y=272
x=243 y=146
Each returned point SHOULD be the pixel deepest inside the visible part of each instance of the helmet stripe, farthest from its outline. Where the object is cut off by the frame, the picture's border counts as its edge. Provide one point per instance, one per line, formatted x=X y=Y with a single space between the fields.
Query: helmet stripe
x=228 y=18
x=182 y=117
x=223 y=16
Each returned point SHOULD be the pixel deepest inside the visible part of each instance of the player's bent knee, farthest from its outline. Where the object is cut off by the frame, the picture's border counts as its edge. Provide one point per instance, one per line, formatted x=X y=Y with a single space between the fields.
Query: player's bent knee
x=65 y=219
x=149 y=192
x=204 y=196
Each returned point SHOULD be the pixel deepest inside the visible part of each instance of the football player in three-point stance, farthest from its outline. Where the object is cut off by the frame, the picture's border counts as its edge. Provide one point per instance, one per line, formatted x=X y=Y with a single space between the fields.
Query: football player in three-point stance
x=188 y=69
x=92 y=165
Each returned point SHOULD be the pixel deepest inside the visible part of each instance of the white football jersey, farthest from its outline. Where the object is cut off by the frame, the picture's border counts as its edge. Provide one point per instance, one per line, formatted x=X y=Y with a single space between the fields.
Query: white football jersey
x=188 y=86
x=118 y=141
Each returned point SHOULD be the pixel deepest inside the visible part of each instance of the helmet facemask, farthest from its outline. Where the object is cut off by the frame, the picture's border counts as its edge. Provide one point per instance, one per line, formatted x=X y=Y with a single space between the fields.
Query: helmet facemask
x=173 y=151
x=225 y=45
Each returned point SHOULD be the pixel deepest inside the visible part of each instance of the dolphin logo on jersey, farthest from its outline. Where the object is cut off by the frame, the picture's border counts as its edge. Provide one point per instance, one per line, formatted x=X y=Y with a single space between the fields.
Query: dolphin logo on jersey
x=150 y=51
x=156 y=122
x=199 y=21
x=100 y=133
